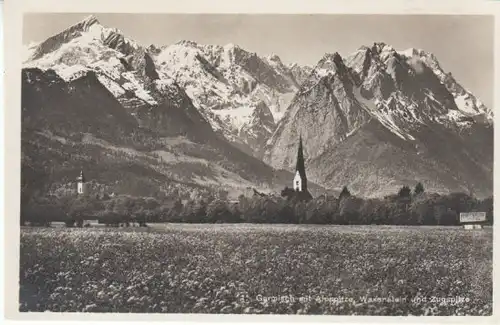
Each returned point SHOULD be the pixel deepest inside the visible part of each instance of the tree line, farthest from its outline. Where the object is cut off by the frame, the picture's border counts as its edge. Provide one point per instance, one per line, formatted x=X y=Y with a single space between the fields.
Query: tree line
x=407 y=207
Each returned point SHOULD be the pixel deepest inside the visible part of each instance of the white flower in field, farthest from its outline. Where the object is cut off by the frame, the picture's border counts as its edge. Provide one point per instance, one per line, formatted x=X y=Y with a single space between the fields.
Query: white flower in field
x=202 y=300
x=90 y=307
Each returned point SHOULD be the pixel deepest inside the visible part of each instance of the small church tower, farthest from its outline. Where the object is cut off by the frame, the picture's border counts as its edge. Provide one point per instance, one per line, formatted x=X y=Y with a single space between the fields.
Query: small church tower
x=81 y=186
x=300 y=179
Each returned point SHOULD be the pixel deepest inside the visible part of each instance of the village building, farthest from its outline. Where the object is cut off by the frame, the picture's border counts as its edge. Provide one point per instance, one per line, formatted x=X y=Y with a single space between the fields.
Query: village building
x=81 y=185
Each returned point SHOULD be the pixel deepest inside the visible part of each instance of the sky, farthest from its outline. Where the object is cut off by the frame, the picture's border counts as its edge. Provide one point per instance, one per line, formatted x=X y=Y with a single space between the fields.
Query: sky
x=464 y=45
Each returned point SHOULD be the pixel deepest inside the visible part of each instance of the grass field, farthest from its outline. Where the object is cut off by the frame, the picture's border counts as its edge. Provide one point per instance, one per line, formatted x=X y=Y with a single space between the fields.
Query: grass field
x=279 y=269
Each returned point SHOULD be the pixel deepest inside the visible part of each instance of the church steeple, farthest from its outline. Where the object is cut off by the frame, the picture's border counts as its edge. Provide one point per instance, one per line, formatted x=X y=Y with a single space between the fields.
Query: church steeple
x=300 y=179
x=81 y=186
x=81 y=178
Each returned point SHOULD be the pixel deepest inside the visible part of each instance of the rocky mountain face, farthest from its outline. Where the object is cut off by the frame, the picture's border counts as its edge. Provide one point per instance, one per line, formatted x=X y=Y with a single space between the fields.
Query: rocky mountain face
x=188 y=115
x=94 y=100
x=242 y=95
x=231 y=87
x=379 y=119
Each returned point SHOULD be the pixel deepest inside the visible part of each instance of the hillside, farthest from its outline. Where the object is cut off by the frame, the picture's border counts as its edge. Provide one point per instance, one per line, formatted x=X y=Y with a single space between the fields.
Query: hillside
x=68 y=126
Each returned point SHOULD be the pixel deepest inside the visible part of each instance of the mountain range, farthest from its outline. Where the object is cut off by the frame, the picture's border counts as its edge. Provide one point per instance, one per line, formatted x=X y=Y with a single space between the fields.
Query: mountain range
x=381 y=118
x=187 y=116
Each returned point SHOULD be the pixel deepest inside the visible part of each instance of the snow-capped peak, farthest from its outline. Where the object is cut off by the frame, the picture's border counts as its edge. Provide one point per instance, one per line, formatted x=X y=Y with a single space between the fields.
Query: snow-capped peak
x=81 y=34
x=329 y=63
x=332 y=57
x=466 y=102
x=187 y=43
x=274 y=57
x=88 y=23
x=412 y=52
x=387 y=48
x=90 y=20
x=378 y=46
x=230 y=46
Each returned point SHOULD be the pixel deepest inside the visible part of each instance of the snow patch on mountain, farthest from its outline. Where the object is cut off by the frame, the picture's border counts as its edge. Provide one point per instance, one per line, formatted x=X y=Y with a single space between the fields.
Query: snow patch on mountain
x=110 y=66
x=69 y=73
x=465 y=104
x=111 y=85
x=321 y=72
x=237 y=116
x=134 y=85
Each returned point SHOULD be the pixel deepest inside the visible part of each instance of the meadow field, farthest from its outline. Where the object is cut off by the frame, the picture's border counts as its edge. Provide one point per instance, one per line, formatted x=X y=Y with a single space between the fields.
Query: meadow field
x=258 y=269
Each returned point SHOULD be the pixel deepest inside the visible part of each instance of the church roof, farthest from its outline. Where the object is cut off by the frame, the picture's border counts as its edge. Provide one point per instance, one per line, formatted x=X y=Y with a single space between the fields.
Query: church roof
x=300 y=167
x=81 y=178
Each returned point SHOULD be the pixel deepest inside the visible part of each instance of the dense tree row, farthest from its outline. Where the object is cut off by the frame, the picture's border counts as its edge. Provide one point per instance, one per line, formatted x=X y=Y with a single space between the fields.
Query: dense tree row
x=407 y=207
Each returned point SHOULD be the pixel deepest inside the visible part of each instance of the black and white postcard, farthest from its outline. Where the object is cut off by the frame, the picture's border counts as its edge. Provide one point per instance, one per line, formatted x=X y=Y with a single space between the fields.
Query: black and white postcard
x=235 y=161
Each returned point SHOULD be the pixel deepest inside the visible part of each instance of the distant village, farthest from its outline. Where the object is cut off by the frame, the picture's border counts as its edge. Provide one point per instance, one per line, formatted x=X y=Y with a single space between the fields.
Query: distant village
x=294 y=204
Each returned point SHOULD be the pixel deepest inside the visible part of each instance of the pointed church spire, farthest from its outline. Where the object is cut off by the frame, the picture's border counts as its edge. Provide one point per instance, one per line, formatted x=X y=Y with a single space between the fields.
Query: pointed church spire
x=300 y=168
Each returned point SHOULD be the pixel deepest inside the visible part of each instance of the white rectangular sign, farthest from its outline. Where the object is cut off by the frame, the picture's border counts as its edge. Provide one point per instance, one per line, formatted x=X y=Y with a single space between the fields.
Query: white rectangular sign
x=472 y=216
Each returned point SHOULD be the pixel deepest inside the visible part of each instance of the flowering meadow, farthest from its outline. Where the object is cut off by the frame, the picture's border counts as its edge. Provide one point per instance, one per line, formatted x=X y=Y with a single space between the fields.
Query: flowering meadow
x=258 y=269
